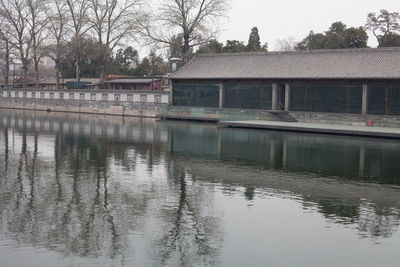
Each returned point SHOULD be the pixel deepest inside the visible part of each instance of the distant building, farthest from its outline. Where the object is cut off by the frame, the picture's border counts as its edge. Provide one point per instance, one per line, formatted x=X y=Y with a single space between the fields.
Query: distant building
x=354 y=81
x=134 y=84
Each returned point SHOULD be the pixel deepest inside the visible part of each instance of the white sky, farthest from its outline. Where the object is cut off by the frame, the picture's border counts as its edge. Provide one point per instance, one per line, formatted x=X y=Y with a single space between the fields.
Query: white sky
x=283 y=18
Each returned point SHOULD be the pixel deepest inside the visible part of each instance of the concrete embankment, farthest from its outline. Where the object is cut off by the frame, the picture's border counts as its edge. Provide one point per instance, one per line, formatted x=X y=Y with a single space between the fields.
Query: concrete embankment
x=143 y=104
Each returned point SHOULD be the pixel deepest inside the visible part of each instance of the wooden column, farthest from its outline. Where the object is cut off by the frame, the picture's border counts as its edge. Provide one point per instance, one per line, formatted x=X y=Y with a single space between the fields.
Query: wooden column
x=221 y=95
x=274 y=96
x=287 y=97
x=364 y=99
x=171 y=95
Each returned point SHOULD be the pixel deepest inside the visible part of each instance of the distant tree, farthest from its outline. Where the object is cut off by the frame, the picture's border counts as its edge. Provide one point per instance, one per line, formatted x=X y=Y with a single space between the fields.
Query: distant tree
x=79 y=23
x=390 y=40
x=111 y=22
x=157 y=64
x=337 y=28
x=355 y=38
x=175 y=46
x=37 y=22
x=89 y=59
x=264 y=47
x=127 y=57
x=286 y=44
x=313 y=41
x=195 y=21
x=337 y=37
x=234 y=46
x=334 y=36
x=254 y=43
x=16 y=14
x=211 y=47
x=144 y=68
x=6 y=47
x=57 y=16
x=383 y=24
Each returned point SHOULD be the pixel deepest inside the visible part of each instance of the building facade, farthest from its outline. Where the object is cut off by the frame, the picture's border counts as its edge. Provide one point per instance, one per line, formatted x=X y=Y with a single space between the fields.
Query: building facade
x=351 y=81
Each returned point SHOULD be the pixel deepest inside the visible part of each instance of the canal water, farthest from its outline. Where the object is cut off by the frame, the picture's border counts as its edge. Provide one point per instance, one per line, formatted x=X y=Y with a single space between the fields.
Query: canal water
x=86 y=190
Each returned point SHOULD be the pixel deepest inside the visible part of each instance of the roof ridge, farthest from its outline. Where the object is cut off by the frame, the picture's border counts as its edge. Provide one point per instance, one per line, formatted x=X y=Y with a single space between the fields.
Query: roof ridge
x=297 y=52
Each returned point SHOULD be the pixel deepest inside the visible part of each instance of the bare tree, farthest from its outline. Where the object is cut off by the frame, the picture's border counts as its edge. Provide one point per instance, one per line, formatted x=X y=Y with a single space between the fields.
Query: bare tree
x=6 y=46
x=112 y=21
x=195 y=21
x=16 y=13
x=57 y=16
x=286 y=44
x=37 y=21
x=78 y=12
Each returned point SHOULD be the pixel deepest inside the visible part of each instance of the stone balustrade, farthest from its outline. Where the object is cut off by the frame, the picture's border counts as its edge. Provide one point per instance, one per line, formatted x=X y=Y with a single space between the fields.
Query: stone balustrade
x=154 y=97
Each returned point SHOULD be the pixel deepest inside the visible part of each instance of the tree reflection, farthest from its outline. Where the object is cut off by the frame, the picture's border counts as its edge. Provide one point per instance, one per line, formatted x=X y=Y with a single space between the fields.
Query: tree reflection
x=79 y=188
x=192 y=234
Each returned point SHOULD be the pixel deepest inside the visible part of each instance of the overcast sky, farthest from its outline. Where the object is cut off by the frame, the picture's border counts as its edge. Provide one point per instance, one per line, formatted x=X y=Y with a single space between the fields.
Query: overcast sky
x=282 y=18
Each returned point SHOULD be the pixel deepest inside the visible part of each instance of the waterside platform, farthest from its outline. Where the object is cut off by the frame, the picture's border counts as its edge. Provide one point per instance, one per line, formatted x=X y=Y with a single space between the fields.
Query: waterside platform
x=368 y=131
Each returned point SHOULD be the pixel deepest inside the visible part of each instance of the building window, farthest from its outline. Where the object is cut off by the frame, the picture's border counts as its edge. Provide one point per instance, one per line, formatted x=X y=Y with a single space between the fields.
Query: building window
x=326 y=98
x=8 y=94
x=71 y=96
x=247 y=96
x=16 y=94
x=384 y=99
x=42 y=95
x=117 y=97
x=93 y=96
x=25 y=95
x=82 y=96
x=157 y=99
x=143 y=98
x=130 y=97
x=61 y=95
x=105 y=97
x=51 y=95
x=196 y=95
x=33 y=95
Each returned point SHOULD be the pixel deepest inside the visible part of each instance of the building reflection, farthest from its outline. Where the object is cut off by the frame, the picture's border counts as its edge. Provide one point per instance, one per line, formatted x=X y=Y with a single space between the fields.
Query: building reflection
x=343 y=157
x=92 y=192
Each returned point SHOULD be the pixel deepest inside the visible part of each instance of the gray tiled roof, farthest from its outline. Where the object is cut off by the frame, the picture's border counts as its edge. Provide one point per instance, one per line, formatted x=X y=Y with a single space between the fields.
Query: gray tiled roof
x=382 y=63
x=133 y=81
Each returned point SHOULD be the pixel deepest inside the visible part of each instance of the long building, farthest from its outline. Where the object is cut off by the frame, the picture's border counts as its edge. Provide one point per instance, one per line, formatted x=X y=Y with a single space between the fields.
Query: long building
x=349 y=81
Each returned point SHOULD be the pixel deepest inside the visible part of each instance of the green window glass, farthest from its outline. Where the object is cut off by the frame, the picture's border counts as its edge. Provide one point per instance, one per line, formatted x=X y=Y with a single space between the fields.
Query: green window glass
x=247 y=96
x=326 y=98
x=384 y=99
x=196 y=95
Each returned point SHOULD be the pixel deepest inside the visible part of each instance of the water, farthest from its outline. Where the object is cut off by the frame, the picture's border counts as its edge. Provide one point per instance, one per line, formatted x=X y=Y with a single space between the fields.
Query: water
x=83 y=190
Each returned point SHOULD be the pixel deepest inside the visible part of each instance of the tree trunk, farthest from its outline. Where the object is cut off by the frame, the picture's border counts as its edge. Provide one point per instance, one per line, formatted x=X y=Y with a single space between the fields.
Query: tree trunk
x=37 y=73
x=78 y=70
x=7 y=63
x=102 y=76
x=25 y=73
x=78 y=59
x=186 y=49
x=57 y=75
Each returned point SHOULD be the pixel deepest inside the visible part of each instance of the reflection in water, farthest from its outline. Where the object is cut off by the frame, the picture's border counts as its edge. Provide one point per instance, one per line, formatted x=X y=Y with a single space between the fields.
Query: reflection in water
x=136 y=190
